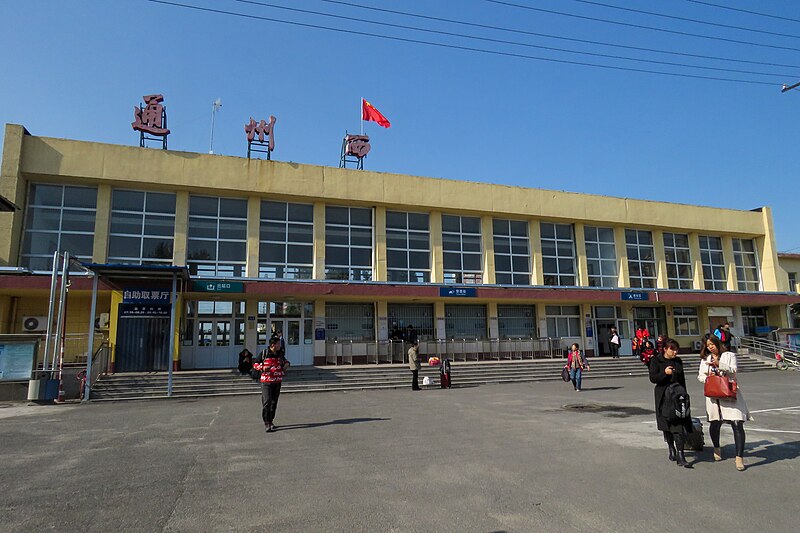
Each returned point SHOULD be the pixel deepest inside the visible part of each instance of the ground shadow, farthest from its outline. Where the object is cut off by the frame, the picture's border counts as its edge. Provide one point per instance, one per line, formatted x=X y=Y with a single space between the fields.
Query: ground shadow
x=341 y=421
x=599 y=388
x=768 y=452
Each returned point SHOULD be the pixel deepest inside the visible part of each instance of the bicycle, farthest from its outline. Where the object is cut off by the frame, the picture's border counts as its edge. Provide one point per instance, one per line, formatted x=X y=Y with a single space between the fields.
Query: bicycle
x=786 y=358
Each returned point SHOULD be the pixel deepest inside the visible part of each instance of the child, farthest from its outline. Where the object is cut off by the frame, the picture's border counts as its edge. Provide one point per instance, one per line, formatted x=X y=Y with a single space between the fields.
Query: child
x=647 y=352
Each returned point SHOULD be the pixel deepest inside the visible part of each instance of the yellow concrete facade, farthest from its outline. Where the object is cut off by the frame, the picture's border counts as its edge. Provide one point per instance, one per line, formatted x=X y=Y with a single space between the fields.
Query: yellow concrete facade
x=30 y=159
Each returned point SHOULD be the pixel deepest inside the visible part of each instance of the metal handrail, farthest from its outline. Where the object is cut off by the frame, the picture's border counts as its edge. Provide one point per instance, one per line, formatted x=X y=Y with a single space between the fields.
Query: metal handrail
x=766 y=348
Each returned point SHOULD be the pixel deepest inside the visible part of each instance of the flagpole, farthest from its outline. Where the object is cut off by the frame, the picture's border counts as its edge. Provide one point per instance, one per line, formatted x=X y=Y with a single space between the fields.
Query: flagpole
x=361 y=115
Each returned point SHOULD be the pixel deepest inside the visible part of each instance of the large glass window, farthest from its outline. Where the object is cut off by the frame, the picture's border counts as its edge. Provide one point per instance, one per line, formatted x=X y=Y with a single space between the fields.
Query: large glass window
x=754 y=320
x=641 y=258
x=408 y=244
x=286 y=247
x=746 y=260
x=714 y=276
x=461 y=243
x=217 y=240
x=601 y=256
x=516 y=321
x=512 y=258
x=563 y=320
x=142 y=227
x=59 y=218
x=558 y=254
x=465 y=321
x=679 y=263
x=354 y=322
x=687 y=321
x=348 y=243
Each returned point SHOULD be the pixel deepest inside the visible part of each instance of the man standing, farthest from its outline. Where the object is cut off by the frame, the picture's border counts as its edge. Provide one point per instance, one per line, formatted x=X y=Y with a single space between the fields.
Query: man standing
x=271 y=363
x=614 y=342
x=413 y=364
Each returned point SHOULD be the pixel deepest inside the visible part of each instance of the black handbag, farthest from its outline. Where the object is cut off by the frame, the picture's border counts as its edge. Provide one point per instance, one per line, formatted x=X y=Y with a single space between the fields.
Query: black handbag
x=565 y=373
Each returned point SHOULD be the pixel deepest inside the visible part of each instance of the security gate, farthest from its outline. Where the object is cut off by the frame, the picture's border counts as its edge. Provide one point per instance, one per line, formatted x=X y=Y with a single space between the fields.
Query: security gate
x=142 y=344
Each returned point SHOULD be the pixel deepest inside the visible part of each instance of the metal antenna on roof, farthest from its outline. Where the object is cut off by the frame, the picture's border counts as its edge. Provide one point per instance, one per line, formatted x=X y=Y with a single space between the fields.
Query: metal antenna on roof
x=214 y=108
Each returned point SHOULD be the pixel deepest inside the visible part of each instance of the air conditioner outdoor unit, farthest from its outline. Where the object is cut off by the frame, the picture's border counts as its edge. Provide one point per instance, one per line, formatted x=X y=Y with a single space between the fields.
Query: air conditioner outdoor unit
x=32 y=324
x=697 y=345
x=102 y=321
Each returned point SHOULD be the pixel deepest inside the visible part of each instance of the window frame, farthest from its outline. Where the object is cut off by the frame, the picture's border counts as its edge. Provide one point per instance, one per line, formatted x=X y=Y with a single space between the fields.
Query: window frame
x=512 y=276
x=713 y=283
x=678 y=281
x=407 y=274
x=141 y=235
x=287 y=269
x=561 y=279
x=605 y=280
x=211 y=268
x=461 y=274
x=641 y=281
x=739 y=255
x=350 y=271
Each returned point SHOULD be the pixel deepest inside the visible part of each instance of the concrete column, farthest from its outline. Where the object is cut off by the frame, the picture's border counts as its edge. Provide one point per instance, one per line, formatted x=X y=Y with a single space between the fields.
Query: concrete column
x=622 y=257
x=181 y=228
x=319 y=322
x=319 y=245
x=437 y=257
x=730 y=265
x=541 y=319
x=250 y=328
x=487 y=243
x=697 y=262
x=102 y=224
x=382 y=311
x=14 y=187
x=438 y=313
x=379 y=272
x=662 y=281
x=253 y=235
x=494 y=327
x=767 y=251
x=670 y=322
x=582 y=276
x=537 y=274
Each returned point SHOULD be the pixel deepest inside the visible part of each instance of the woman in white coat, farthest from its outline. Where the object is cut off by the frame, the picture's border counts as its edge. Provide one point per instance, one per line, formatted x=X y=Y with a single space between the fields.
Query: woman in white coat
x=715 y=361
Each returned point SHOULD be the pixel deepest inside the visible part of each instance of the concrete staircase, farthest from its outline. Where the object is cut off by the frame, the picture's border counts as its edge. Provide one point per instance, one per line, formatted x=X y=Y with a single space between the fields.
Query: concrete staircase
x=192 y=384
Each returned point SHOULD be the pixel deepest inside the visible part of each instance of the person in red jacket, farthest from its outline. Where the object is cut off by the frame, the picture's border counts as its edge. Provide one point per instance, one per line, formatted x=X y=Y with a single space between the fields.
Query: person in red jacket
x=272 y=364
x=576 y=363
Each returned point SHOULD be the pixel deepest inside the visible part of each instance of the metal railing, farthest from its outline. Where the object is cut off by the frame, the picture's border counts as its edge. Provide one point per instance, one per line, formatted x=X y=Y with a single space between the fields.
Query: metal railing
x=766 y=348
x=100 y=362
x=396 y=352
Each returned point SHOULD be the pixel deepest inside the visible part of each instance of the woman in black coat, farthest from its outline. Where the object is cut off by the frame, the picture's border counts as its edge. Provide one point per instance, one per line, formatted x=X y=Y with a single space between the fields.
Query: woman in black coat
x=667 y=368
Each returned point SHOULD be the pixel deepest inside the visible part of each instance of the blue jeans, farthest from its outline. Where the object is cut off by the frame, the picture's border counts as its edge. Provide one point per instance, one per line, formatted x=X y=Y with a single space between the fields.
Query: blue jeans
x=575 y=376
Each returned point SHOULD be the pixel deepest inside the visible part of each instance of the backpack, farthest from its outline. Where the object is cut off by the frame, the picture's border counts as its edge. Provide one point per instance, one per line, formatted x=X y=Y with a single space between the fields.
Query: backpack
x=675 y=407
x=723 y=335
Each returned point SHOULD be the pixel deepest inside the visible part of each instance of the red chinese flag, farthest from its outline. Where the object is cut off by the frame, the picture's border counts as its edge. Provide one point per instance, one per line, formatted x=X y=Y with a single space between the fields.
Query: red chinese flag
x=368 y=112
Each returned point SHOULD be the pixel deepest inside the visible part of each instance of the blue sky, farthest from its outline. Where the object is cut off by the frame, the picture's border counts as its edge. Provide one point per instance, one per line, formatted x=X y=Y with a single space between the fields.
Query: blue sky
x=76 y=70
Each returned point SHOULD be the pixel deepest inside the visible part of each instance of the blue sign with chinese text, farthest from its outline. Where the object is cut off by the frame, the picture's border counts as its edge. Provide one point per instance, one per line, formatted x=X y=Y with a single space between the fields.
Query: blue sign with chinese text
x=459 y=292
x=635 y=296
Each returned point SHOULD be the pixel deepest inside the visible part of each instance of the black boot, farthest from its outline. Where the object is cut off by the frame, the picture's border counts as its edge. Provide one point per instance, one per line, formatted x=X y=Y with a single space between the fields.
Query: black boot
x=681 y=459
x=668 y=438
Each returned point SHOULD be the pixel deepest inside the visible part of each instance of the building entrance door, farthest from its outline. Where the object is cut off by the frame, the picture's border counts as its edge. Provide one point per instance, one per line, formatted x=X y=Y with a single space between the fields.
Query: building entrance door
x=218 y=335
x=295 y=321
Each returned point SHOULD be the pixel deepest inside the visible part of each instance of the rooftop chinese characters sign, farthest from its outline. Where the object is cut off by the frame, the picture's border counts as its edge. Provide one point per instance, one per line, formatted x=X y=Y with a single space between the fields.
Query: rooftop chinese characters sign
x=266 y=136
x=151 y=119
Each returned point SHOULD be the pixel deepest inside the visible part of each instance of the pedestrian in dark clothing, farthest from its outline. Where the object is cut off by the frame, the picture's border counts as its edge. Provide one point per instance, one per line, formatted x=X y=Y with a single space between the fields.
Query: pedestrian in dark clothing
x=665 y=369
x=414 y=365
x=411 y=334
x=272 y=365
x=245 y=362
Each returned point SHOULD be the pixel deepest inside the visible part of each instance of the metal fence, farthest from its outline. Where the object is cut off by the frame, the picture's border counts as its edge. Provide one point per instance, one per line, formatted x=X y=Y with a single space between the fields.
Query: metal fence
x=396 y=352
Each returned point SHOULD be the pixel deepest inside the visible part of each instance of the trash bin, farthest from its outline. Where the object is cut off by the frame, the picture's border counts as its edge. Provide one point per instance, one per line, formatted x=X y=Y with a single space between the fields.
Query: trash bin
x=42 y=388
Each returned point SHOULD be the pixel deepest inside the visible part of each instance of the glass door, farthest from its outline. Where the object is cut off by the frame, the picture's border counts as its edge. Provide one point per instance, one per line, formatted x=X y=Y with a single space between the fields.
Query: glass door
x=624 y=332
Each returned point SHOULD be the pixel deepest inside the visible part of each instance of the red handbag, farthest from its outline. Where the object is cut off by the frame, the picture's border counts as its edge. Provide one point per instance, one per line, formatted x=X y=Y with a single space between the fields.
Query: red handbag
x=720 y=388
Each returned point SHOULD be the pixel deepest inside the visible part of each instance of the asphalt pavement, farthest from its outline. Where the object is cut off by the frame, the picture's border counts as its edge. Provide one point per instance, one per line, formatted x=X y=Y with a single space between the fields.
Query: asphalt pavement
x=511 y=457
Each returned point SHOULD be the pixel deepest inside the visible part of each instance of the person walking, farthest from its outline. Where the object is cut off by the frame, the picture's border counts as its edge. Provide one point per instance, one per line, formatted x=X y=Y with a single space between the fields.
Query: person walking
x=614 y=343
x=272 y=364
x=666 y=369
x=733 y=411
x=576 y=363
x=414 y=364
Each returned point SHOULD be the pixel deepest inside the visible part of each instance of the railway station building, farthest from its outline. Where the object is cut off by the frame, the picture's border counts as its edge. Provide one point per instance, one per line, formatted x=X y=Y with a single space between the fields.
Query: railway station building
x=342 y=260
